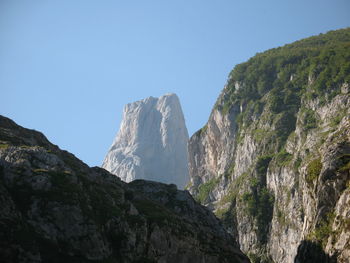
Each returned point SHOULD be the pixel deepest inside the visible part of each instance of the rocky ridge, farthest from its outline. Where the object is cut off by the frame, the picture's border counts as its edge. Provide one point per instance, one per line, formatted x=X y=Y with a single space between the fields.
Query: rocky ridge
x=273 y=161
x=151 y=143
x=54 y=208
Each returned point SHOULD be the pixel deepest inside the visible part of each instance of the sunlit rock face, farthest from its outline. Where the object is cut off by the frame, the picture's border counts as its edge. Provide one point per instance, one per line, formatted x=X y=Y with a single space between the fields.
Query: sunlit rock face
x=151 y=143
x=277 y=171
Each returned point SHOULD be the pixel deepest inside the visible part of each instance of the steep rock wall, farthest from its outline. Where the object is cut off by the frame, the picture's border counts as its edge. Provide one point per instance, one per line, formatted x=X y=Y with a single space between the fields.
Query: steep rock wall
x=273 y=160
x=151 y=143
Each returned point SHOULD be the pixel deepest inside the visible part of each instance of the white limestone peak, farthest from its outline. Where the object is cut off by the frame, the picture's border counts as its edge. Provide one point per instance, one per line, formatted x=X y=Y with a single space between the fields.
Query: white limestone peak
x=151 y=143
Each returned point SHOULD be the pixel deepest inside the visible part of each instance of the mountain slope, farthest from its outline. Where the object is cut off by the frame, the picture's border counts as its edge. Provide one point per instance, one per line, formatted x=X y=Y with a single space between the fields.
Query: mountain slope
x=273 y=160
x=54 y=208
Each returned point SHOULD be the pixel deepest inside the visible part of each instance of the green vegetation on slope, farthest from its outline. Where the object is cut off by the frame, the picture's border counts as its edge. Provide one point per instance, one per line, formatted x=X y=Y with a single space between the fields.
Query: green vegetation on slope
x=313 y=170
x=269 y=89
x=205 y=189
x=274 y=100
x=276 y=81
x=314 y=66
x=259 y=201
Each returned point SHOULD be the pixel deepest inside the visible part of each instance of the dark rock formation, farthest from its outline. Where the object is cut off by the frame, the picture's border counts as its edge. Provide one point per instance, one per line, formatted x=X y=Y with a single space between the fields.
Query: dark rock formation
x=54 y=208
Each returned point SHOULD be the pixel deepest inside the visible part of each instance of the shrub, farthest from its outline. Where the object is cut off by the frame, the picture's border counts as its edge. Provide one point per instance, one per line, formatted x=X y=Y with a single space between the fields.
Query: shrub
x=313 y=170
x=259 y=205
x=262 y=164
x=344 y=163
x=310 y=121
x=283 y=158
x=324 y=229
x=205 y=189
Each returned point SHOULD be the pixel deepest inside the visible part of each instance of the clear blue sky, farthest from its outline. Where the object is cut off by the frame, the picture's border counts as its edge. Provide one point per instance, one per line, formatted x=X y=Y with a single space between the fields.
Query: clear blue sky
x=67 y=67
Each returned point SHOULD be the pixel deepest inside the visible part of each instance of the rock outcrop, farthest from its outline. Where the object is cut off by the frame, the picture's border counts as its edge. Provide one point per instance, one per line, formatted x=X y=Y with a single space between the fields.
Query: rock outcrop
x=273 y=161
x=151 y=143
x=54 y=208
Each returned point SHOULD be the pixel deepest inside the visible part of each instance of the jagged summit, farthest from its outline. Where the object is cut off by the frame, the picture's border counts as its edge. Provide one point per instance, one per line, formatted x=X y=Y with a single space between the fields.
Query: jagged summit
x=151 y=143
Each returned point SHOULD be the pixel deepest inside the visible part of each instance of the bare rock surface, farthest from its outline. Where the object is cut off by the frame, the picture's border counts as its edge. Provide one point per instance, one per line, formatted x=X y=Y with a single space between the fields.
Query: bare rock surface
x=151 y=143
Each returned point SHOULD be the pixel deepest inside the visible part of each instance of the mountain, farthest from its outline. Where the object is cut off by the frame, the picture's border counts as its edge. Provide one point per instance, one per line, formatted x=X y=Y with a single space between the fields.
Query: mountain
x=54 y=208
x=151 y=143
x=273 y=159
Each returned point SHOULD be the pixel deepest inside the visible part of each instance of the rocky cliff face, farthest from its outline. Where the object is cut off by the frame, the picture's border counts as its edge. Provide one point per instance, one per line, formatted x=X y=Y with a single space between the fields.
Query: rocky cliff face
x=54 y=208
x=151 y=143
x=273 y=160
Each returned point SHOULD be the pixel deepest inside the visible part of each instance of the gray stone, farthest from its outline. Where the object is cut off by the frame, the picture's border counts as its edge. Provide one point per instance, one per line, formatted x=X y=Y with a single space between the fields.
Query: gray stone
x=151 y=143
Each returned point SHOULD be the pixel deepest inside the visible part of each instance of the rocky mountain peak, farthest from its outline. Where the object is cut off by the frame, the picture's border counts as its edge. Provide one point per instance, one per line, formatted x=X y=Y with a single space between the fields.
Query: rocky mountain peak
x=151 y=143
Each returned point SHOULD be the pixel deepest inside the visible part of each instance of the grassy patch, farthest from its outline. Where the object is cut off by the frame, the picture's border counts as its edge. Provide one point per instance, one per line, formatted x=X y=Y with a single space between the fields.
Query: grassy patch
x=221 y=212
x=323 y=230
x=345 y=167
x=204 y=128
x=230 y=170
x=281 y=217
x=259 y=201
x=313 y=170
x=230 y=197
x=4 y=146
x=259 y=258
x=344 y=163
x=259 y=134
x=259 y=205
x=283 y=158
x=309 y=120
x=262 y=164
x=205 y=189
x=337 y=119
x=297 y=163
